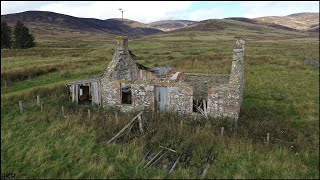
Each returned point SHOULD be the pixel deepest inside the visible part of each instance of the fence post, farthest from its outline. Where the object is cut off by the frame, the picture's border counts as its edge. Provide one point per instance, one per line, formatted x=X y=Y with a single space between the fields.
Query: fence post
x=116 y=116
x=41 y=106
x=222 y=131
x=268 y=138
x=21 y=106
x=62 y=109
x=89 y=114
x=38 y=100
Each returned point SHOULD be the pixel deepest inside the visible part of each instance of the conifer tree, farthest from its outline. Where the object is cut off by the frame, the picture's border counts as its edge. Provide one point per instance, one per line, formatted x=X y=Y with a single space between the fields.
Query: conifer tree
x=22 y=37
x=6 y=36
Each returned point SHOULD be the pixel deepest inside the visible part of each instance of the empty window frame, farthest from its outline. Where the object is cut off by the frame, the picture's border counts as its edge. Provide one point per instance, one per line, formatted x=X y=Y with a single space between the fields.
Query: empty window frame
x=126 y=95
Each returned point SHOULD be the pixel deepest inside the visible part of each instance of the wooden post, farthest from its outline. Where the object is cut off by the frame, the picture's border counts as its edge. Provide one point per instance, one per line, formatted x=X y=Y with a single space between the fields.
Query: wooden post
x=114 y=137
x=38 y=100
x=205 y=171
x=140 y=124
x=41 y=106
x=116 y=117
x=89 y=114
x=222 y=131
x=205 y=108
x=62 y=109
x=268 y=138
x=21 y=106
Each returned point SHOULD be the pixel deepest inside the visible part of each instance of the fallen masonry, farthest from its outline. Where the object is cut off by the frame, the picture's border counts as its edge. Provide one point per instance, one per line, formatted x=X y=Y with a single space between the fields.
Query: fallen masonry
x=132 y=86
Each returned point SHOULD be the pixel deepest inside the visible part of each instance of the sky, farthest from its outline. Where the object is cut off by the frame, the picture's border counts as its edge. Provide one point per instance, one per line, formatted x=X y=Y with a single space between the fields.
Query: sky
x=150 y=11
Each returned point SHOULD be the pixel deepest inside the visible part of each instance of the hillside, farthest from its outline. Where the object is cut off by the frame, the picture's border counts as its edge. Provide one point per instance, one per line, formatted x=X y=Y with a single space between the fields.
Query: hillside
x=169 y=25
x=299 y=21
x=42 y=21
x=232 y=27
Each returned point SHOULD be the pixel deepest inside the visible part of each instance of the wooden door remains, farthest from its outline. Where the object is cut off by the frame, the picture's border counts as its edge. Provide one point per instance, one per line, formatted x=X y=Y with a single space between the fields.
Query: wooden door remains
x=161 y=98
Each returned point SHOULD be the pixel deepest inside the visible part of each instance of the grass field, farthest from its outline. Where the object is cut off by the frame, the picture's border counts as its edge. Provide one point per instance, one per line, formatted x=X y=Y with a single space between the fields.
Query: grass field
x=281 y=97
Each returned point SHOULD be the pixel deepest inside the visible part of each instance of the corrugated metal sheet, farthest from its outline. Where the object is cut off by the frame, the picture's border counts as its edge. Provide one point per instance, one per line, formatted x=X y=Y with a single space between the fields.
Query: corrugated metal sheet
x=161 y=95
x=161 y=71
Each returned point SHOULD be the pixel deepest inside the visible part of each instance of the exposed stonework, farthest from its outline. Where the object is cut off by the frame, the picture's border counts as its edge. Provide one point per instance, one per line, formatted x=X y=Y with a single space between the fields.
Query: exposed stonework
x=181 y=98
x=202 y=82
x=226 y=101
x=143 y=96
x=122 y=66
x=130 y=86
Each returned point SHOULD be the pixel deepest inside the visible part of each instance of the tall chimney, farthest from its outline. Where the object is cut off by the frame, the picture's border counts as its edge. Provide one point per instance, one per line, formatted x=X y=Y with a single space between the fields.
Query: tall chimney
x=122 y=43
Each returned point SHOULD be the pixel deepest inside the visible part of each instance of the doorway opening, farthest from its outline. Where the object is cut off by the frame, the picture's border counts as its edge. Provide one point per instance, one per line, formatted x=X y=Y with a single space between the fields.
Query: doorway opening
x=84 y=94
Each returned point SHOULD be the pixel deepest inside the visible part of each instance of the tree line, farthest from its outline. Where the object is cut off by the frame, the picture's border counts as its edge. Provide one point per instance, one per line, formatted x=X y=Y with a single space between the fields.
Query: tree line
x=19 y=38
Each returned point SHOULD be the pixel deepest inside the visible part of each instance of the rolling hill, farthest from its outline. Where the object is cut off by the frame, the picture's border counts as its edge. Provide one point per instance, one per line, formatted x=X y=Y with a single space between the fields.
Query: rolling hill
x=49 y=24
x=169 y=25
x=299 y=21
x=48 y=21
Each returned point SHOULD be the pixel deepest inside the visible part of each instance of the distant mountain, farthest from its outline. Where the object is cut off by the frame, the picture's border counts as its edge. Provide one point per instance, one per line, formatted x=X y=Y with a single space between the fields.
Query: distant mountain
x=239 y=27
x=253 y=21
x=299 y=21
x=50 y=25
x=169 y=25
x=43 y=20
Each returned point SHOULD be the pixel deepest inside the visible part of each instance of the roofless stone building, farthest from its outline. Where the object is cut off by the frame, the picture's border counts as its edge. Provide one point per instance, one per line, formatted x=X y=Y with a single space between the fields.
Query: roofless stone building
x=132 y=86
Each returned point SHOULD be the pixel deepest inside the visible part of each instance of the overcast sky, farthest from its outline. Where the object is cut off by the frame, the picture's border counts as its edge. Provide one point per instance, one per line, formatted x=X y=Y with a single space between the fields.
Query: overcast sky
x=146 y=12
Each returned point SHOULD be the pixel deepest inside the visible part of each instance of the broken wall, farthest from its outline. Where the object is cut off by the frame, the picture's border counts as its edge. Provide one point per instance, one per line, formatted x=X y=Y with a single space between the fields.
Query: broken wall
x=202 y=82
x=110 y=92
x=181 y=98
x=123 y=66
x=226 y=101
x=142 y=96
x=223 y=102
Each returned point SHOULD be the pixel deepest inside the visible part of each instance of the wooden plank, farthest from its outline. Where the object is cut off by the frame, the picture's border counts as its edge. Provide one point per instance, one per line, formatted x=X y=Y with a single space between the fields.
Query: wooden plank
x=200 y=110
x=174 y=165
x=123 y=129
x=156 y=161
x=154 y=157
x=76 y=97
x=73 y=93
x=168 y=149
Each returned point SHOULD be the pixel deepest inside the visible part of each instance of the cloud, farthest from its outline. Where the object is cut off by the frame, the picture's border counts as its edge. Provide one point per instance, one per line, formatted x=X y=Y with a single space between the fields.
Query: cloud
x=143 y=11
x=149 y=11
x=255 y=9
x=203 y=14
x=8 y=7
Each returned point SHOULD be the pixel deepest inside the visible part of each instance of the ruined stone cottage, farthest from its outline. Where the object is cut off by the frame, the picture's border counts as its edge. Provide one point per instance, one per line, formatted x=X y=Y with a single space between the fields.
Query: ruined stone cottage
x=132 y=86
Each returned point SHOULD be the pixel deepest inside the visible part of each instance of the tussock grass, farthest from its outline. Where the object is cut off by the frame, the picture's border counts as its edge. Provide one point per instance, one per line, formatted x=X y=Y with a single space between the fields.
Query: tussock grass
x=281 y=97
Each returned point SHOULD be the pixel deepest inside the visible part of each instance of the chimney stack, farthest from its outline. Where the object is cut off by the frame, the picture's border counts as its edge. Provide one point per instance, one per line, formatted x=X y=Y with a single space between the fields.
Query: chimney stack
x=122 y=43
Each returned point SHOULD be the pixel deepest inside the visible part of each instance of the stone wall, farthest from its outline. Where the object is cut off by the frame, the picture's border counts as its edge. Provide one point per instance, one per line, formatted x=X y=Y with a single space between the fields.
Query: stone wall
x=202 y=82
x=110 y=92
x=181 y=98
x=142 y=96
x=225 y=101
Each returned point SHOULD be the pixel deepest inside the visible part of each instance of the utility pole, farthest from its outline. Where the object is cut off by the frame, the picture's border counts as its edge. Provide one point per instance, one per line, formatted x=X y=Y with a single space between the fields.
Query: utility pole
x=122 y=22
